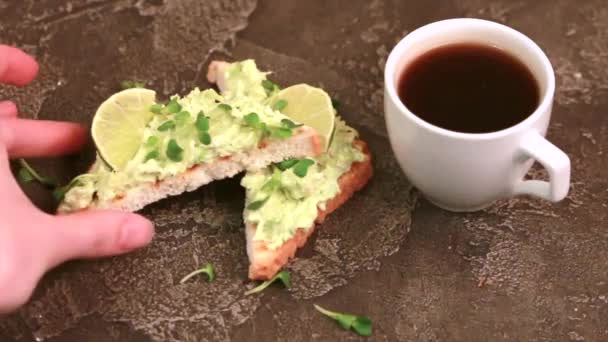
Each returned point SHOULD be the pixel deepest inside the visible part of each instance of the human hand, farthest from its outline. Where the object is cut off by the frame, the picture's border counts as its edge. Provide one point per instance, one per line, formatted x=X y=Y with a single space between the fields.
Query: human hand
x=31 y=241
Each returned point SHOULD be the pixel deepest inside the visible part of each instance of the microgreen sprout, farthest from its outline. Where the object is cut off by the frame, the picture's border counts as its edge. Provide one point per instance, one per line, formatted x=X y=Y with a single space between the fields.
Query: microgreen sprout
x=167 y=125
x=280 y=105
x=173 y=106
x=202 y=126
x=174 y=151
x=27 y=174
x=283 y=276
x=59 y=192
x=208 y=270
x=256 y=205
x=362 y=325
x=270 y=86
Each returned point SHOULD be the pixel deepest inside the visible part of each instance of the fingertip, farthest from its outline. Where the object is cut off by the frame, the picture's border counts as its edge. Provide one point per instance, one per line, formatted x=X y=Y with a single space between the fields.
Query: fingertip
x=136 y=232
x=39 y=138
x=16 y=66
x=8 y=109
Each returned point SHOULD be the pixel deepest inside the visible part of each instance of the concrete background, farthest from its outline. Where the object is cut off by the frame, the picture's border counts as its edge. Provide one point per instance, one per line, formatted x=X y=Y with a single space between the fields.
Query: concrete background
x=522 y=270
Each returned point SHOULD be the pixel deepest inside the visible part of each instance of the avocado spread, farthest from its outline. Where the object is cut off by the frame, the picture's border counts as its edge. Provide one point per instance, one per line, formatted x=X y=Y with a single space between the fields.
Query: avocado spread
x=290 y=201
x=198 y=128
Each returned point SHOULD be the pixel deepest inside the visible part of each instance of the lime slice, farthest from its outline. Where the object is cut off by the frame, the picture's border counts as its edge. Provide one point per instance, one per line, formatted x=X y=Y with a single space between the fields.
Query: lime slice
x=310 y=106
x=118 y=125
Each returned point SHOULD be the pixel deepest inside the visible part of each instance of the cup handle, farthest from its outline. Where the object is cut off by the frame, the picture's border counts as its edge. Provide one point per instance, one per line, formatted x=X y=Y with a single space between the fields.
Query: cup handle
x=555 y=161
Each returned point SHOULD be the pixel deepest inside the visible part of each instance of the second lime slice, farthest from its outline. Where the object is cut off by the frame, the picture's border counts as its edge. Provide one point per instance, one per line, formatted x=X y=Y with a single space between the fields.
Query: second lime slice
x=310 y=106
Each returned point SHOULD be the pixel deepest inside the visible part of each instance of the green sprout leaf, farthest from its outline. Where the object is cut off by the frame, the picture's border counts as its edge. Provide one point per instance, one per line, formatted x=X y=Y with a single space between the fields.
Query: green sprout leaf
x=174 y=151
x=256 y=205
x=59 y=192
x=280 y=105
x=281 y=132
x=253 y=120
x=155 y=154
x=331 y=138
x=362 y=325
x=287 y=164
x=208 y=270
x=167 y=125
x=283 y=276
x=132 y=84
x=156 y=108
x=270 y=86
x=290 y=124
x=152 y=141
x=335 y=103
x=301 y=167
x=202 y=122
x=27 y=174
x=224 y=107
x=273 y=183
x=204 y=138
x=182 y=117
x=173 y=106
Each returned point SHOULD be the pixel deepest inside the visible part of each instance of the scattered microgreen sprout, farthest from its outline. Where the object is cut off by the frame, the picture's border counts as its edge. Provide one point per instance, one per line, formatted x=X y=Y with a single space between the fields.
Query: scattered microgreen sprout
x=204 y=138
x=132 y=84
x=331 y=138
x=362 y=325
x=283 y=276
x=208 y=270
x=174 y=151
x=27 y=174
x=300 y=169
x=271 y=185
x=270 y=86
x=156 y=108
x=256 y=205
x=167 y=125
x=152 y=141
x=299 y=166
x=202 y=122
x=287 y=164
x=59 y=192
x=154 y=154
x=253 y=120
x=335 y=103
x=280 y=105
x=173 y=106
x=182 y=117
x=290 y=124
x=202 y=126
x=225 y=107
x=280 y=132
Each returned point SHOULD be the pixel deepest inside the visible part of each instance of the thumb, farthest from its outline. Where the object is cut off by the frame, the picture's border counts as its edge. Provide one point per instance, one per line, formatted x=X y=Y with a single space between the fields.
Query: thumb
x=97 y=234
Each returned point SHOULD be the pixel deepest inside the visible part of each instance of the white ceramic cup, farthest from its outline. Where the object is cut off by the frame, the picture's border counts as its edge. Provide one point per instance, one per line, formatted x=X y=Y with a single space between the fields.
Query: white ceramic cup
x=468 y=172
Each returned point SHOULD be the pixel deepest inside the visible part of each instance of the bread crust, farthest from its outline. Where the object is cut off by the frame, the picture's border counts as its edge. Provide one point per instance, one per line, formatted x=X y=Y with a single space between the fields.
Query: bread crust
x=266 y=262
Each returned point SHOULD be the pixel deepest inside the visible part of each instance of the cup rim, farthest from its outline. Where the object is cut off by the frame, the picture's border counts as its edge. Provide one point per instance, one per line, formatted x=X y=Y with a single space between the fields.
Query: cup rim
x=544 y=105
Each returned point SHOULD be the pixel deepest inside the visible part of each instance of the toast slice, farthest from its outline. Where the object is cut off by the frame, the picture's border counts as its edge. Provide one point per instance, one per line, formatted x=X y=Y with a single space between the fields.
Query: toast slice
x=83 y=195
x=268 y=257
x=266 y=261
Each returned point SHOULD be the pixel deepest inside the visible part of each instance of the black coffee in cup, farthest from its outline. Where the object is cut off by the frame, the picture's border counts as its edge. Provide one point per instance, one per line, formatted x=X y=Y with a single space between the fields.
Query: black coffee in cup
x=469 y=88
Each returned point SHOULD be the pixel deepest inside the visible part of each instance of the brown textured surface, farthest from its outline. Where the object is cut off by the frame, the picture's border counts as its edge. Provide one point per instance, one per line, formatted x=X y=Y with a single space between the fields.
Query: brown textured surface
x=523 y=270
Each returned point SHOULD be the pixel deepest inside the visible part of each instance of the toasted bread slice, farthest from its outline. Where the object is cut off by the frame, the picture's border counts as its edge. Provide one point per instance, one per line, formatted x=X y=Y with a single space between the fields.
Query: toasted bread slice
x=304 y=143
x=265 y=262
